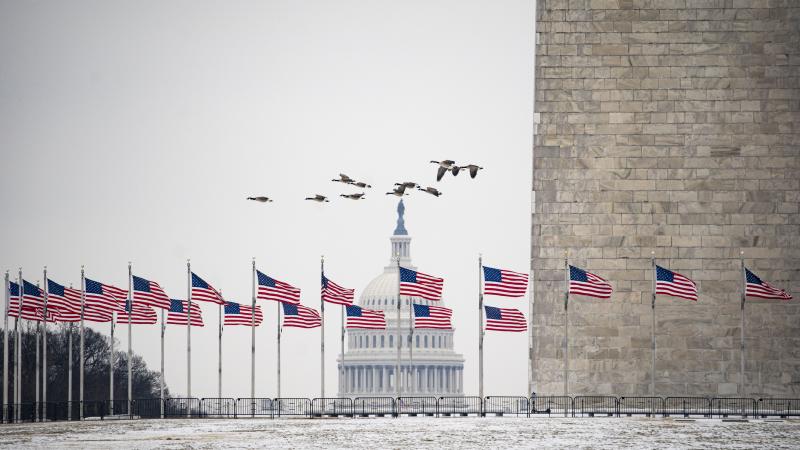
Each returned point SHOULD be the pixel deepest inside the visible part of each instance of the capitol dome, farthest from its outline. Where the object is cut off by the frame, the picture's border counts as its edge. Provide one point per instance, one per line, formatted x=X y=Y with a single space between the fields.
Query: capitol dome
x=429 y=368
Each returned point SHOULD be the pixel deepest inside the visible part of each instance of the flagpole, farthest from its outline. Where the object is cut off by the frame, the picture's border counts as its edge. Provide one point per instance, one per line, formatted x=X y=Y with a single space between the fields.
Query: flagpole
x=161 y=381
x=411 y=385
x=111 y=367
x=744 y=297
x=530 y=334
x=5 y=348
x=130 y=335
x=566 y=324
x=219 y=351
x=480 y=326
x=322 y=335
x=38 y=366
x=397 y=364
x=653 y=328
x=253 y=341
x=80 y=369
x=69 y=370
x=188 y=333
x=44 y=347
x=279 y=349
x=18 y=365
x=342 y=382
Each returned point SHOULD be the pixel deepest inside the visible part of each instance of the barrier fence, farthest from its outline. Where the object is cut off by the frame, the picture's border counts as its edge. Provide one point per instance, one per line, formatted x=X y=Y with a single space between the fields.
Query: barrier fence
x=453 y=406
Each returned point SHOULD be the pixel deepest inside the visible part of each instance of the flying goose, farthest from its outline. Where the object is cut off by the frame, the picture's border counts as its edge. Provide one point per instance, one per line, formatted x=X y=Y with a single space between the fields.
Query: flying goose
x=444 y=166
x=260 y=199
x=344 y=179
x=318 y=198
x=399 y=191
x=407 y=184
x=430 y=190
x=353 y=196
x=473 y=169
x=361 y=184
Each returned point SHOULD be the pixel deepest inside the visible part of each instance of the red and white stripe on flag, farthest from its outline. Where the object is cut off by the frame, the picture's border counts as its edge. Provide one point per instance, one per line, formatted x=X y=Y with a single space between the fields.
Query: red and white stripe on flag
x=299 y=316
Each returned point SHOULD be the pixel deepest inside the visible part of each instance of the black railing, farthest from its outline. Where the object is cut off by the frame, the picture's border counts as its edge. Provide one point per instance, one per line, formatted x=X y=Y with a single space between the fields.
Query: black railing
x=414 y=406
x=292 y=407
x=254 y=407
x=374 y=406
x=181 y=407
x=117 y=409
x=551 y=405
x=95 y=410
x=332 y=407
x=779 y=407
x=594 y=405
x=505 y=405
x=644 y=406
x=687 y=406
x=146 y=408
x=459 y=406
x=733 y=407
x=218 y=407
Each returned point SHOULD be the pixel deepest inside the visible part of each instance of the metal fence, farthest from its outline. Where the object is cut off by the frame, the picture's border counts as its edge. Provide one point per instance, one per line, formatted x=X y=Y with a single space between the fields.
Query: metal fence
x=292 y=407
x=459 y=406
x=779 y=407
x=218 y=407
x=374 y=406
x=505 y=405
x=687 y=406
x=146 y=408
x=254 y=407
x=181 y=407
x=332 y=407
x=551 y=405
x=414 y=406
x=594 y=405
x=644 y=406
x=736 y=407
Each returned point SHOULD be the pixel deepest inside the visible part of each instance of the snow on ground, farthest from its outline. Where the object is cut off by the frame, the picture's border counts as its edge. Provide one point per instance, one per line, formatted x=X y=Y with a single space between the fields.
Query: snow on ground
x=462 y=433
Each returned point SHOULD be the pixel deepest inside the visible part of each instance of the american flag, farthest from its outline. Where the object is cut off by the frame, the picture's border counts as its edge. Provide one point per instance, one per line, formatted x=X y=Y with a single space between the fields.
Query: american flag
x=418 y=284
x=333 y=293
x=358 y=317
x=26 y=311
x=432 y=317
x=65 y=301
x=13 y=299
x=141 y=314
x=178 y=313
x=756 y=287
x=32 y=295
x=272 y=289
x=504 y=283
x=504 y=319
x=238 y=314
x=299 y=316
x=203 y=291
x=104 y=297
x=37 y=313
x=149 y=293
x=674 y=284
x=582 y=282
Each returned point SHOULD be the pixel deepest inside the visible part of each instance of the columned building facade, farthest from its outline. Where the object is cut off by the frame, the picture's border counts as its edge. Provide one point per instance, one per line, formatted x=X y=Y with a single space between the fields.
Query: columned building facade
x=430 y=368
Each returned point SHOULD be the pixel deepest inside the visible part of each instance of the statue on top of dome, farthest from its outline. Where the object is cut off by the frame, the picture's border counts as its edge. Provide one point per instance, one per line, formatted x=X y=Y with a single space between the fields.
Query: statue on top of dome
x=400 y=230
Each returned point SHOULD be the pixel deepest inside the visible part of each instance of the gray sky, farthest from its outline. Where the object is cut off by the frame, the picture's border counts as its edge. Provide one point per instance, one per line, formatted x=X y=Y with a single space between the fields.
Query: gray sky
x=134 y=130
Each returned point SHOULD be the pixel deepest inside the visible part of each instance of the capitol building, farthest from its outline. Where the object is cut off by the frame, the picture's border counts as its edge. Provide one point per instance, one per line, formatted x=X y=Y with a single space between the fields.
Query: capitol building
x=371 y=355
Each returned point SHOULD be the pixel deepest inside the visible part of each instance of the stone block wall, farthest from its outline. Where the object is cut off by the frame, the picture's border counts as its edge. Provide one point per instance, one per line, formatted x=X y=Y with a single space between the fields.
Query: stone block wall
x=667 y=126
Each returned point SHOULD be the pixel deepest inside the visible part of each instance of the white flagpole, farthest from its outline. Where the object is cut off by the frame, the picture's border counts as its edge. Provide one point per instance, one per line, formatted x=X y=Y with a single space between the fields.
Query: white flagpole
x=411 y=386
x=188 y=333
x=44 y=347
x=530 y=333
x=69 y=371
x=18 y=365
x=111 y=368
x=322 y=335
x=253 y=341
x=744 y=296
x=219 y=352
x=279 y=349
x=653 y=328
x=80 y=368
x=399 y=346
x=38 y=368
x=480 y=326
x=130 y=335
x=5 y=348
x=566 y=325
x=342 y=383
x=161 y=381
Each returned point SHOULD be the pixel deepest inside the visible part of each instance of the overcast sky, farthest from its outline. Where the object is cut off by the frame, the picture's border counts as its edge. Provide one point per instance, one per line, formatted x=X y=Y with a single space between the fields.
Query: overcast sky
x=133 y=131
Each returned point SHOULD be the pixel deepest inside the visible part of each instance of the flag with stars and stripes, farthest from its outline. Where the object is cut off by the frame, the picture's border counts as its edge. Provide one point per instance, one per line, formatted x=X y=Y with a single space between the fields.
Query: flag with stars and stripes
x=333 y=293
x=358 y=317
x=504 y=319
x=178 y=313
x=432 y=317
x=104 y=297
x=272 y=289
x=203 y=291
x=140 y=314
x=26 y=311
x=32 y=295
x=149 y=293
x=582 y=282
x=240 y=314
x=504 y=283
x=300 y=316
x=418 y=284
x=756 y=287
x=674 y=284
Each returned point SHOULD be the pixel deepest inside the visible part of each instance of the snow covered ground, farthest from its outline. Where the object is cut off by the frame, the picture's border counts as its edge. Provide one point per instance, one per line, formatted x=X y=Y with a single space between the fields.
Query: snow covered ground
x=472 y=432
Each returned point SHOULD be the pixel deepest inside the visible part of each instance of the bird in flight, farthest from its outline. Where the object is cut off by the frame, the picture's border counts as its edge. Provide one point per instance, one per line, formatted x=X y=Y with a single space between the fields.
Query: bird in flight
x=444 y=166
x=260 y=199
x=361 y=184
x=353 y=196
x=318 y=198
x=399 y=191
x=407 y=184
x=344 y=179
x=430 y=190
x=473 y=169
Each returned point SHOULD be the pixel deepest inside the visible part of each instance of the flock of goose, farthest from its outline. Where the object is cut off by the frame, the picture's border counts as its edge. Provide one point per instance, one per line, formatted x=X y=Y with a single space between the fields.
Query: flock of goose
x=399 y=190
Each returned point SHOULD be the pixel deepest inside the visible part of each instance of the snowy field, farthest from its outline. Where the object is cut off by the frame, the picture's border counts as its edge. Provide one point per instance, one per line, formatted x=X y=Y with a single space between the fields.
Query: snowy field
x=473 y=432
